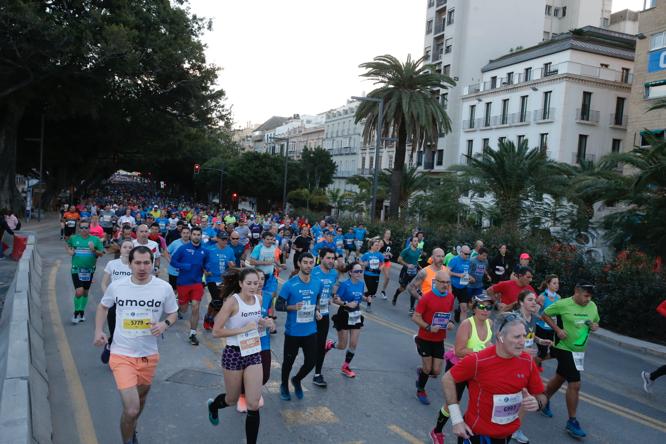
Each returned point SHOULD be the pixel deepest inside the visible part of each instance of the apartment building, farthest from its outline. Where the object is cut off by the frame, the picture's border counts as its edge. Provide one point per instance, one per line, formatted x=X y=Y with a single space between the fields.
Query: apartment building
x=650 y=76
x=263 y=133
x=624 y=21
x=295 y=133
x=461 y=36
x=567 y=96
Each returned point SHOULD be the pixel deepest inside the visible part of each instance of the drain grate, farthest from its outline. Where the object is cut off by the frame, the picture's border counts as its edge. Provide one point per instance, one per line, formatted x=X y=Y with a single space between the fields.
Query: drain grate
x=197 y=378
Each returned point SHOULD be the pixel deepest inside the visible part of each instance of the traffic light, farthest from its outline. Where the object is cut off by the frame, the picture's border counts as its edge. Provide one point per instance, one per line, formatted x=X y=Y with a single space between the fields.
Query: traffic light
x=234 y=196
x=197 y=168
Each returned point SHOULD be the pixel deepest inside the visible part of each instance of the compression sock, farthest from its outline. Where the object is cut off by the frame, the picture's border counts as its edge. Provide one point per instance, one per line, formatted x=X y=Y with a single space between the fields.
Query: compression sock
x=349 y=356
x=77 y=304
x=220 y=401
x=397 y=293
x=412 y=302
x=252 y=426
x=442 y=418
x=83 y=303
x=423 y=379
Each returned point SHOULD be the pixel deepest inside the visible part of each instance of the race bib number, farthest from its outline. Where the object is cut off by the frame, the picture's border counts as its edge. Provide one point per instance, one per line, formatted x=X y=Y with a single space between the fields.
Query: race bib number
x=506 y=407
x=249 y=342
x=579 y=360
x=358 y=244
x=441 y=319
x=106 y=218
x=465 y=279
x=71 y=223
x=137 y=322
x=84 y=275
x=305 y=314
x=255 y=235
x=374 y=263
x=323 y=305
x=354 y=317
x=411 y=271
x=338 y=243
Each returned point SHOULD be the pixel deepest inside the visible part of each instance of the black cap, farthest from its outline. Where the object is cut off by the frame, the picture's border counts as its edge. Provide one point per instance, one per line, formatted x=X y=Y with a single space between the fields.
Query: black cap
x=587 y=287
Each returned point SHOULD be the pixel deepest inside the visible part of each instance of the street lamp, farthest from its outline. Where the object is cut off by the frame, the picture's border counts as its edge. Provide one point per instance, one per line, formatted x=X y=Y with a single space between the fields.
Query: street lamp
x=286 y=158
x=378 y=141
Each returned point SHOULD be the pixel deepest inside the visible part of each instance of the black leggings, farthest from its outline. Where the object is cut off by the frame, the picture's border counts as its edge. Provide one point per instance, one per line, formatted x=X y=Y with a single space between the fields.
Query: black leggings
x=111 y=321
x=661 y=371
x=266 y=365
x=322 y=334
x=291 y=346
x=371 y=282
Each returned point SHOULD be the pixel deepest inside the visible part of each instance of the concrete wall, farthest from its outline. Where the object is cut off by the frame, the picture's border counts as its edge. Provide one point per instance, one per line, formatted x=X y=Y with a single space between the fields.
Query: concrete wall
x=23 y=378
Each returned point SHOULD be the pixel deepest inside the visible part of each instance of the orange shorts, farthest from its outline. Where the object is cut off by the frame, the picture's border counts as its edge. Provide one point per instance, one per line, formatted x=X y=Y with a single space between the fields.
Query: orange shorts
x=130 y=372
x=189 y=293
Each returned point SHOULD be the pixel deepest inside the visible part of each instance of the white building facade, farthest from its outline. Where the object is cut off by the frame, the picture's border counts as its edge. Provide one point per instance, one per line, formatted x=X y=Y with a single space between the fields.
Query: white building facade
x=568 y=96
x=463 y=35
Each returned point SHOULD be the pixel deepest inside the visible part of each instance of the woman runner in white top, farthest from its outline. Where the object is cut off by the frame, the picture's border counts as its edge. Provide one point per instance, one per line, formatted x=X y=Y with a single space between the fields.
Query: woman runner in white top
x=114 y=270
x=239 y=321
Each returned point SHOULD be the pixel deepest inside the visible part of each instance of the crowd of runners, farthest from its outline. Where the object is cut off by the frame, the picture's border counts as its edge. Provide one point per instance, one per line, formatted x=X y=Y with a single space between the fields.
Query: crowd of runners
x=168 y=255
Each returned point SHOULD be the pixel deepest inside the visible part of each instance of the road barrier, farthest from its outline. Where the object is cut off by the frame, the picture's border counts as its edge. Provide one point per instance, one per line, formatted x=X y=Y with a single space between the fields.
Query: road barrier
x=25 y=412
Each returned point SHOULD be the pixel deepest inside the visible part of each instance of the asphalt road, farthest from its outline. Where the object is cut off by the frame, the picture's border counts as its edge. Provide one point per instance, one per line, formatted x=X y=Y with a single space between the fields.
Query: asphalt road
x=379 y=405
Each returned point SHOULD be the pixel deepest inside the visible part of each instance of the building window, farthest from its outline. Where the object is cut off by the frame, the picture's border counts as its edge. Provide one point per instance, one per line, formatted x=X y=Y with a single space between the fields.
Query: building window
x=493 y=82
x=505 y=111
x=528 y=74
x=564 y=11
x=431 y=3
x=446 y=70
x=448 y=46
x=549 y=10
x=509 y=78
x=440 y=157
x=658 y=41
x=472 y=116
x=556 y=12
x=581 y=152
x=470 y=149
x=362 y=163
x=604 y=65
x=605 y=22
x=486 y=143
x=626 y=73
x=419 y=158
x=655 y=90
x=616 y=146
x=521 y=139
x=651 y=136
x=444 y=100
x=450 y=16
x=486 y=116
x=429 y=27
x=501 y=139
x=545 y=114
x=390 y=162
x=546 y=35
x=543 y=142
x=523 y=109
x=650 y=4
x=619 y=111
x=585 y=106
x=548 y=70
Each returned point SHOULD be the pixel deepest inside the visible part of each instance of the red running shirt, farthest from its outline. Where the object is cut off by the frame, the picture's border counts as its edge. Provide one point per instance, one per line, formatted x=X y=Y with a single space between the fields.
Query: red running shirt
x=494 y=385
x=509 y=291
x=428 y=305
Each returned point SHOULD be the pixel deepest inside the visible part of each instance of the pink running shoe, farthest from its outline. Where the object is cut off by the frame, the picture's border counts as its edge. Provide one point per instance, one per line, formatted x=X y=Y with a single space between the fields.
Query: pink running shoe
x=347 y=371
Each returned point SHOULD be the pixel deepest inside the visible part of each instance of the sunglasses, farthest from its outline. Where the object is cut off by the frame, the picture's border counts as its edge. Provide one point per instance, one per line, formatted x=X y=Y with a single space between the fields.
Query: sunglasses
x=357 y=271
x=84 y=228
x=484 y=307
x=442 y=282
x=235 y=238
x=510 y=318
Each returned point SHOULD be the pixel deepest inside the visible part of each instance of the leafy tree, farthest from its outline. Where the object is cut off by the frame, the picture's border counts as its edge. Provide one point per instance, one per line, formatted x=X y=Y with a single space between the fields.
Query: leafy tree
x=363 y=197
x=317 y=168
x=411 y=111
x=412 y=182
x=513 y=174
x=317 y=197
x=337 y=198
x=441 y=203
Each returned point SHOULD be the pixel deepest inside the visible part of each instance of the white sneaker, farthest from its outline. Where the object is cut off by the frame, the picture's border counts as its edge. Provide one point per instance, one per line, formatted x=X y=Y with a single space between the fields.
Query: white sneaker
x=519 y=436
x=75 y=319
x=647 y=382
x=384 y=296
x=82 y=318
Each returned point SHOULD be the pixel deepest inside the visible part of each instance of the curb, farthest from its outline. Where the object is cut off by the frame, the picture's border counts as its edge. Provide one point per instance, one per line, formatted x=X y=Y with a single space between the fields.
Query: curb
x=23 y=376
x=628 y=343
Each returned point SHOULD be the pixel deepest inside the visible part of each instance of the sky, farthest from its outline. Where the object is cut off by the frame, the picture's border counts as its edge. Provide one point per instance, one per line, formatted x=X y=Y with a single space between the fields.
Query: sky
x=302 y=56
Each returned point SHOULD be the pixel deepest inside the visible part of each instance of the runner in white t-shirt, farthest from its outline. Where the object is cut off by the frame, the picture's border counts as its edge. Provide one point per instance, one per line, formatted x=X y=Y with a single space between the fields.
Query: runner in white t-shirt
x=142 y=233
x=115 y=269
x=141 y=300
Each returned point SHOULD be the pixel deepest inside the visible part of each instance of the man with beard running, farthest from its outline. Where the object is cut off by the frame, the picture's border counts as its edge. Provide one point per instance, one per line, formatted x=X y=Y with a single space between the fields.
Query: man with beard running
x=422 y=283
x=327 y=275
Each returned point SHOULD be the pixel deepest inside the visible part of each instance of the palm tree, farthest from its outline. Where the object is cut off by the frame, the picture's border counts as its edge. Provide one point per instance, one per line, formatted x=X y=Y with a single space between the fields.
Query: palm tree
x=337 y=197
x=513 y=174
x=363 y=196
x=316 y=197
x=411 y=111
x=412 y=182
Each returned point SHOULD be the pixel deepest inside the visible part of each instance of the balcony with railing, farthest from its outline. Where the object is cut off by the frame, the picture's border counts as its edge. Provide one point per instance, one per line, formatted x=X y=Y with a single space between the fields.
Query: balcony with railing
x=544 y=115
x=343 y=151
x=570 y=68
x=471 y=125
x=365 y=171
x=440 y=4
x=577 y=157
x=587 y=116
x=437 y=54
x=619 y=121
x=439 y=28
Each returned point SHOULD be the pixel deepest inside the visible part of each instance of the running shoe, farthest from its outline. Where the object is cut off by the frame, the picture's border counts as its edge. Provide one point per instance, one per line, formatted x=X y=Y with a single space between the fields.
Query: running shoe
x=384 y=295
x=319 y=381
x=437 y=438
x=284 y=393
x=394 y=300
x=208 y=323
x=411 y=311
x=546 y=411
x=241 y=404
x=347 y=371
x=647 y=382
x=180 y=316
x=82 y=318
x=106 y=354
x=423 y=397
x=212 y=413
x=298 y=388
x=329 y=345
x=75 y=319
x=574 y=429
x=519 y=436
x=368 y=309
x=193 y=339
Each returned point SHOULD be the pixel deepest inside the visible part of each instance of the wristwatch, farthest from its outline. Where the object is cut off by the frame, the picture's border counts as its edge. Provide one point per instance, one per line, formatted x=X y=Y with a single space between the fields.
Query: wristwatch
x=167 y=322
x=427 y=327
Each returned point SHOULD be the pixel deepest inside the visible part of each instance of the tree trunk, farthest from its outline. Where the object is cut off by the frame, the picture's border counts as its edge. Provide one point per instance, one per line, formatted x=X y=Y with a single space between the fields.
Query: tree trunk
x=396 y=174
x=10 y=116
